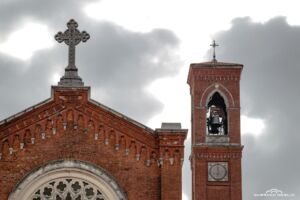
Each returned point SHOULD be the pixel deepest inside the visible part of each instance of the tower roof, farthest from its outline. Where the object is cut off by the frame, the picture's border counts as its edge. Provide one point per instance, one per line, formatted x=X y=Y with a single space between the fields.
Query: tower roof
x=212 y=65
x=216 y=64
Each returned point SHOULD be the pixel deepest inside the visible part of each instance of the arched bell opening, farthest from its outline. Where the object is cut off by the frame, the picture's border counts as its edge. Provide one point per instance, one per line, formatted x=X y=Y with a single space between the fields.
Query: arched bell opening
x=216 y=115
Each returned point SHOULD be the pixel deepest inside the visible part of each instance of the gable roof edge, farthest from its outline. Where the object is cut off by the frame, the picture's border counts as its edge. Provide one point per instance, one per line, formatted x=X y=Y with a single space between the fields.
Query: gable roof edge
x=122 y=116
x=12 y=117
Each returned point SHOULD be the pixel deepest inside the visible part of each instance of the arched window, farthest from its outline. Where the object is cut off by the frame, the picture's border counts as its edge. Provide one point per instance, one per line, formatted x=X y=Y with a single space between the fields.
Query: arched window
x=216 y=115
x=68 y=180
x=69 y=188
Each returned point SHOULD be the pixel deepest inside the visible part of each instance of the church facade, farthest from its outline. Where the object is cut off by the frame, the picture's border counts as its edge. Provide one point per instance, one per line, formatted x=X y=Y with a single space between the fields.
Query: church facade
x=70 y=147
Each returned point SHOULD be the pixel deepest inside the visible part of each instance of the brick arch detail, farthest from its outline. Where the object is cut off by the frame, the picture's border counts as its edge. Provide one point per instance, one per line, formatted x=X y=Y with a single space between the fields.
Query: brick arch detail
x=68 y=169
x=57 y=124
x=217 y=87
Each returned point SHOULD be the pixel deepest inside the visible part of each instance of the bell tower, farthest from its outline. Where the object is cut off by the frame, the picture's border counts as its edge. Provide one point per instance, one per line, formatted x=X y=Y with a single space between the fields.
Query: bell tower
x=216 y=142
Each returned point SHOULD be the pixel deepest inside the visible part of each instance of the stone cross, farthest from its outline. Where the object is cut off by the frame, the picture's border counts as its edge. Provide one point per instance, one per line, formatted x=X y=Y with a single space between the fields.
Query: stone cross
x=71 y=37
x=214 y=45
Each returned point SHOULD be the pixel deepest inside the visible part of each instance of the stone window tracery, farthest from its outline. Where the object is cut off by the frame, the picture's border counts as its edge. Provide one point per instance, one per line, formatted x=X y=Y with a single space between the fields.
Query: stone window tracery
x=68 y=180
x=68 y=189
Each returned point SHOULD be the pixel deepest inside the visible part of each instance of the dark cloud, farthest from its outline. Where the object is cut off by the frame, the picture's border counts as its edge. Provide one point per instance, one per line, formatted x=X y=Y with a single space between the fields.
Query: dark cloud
x=14 y=13
x=117 y=63
x=123 y=63
x=269 y=90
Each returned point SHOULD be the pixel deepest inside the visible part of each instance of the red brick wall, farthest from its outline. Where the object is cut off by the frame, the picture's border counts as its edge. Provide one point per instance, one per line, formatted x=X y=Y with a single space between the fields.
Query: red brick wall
x=204 y=79
x=204 y=188
x=202 y=82
x=94 y=134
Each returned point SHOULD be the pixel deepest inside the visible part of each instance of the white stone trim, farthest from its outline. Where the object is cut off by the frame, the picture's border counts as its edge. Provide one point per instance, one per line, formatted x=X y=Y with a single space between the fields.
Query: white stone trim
x=216 y=88
x=66 y=169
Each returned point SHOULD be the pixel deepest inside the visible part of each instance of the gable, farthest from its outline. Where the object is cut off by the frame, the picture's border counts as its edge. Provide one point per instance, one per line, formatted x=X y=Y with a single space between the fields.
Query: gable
x=70 y=126
x=73 y=110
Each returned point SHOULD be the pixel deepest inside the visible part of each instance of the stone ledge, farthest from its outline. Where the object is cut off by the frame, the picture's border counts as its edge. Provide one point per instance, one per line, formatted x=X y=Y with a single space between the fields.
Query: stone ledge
x=217 y=139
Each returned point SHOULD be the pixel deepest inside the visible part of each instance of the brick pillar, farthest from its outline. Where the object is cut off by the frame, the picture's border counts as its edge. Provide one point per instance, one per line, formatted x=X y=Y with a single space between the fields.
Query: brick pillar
x=171 y=154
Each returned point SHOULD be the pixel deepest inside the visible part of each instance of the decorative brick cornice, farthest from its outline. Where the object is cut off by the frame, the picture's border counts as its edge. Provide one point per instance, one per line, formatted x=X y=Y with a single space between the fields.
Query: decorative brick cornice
x=214 y=72
x=30 y=118
x=70 y=120
x=229 y=151
x=171 y=146
x=217 y=78
x=71 y=112
x=218 y=155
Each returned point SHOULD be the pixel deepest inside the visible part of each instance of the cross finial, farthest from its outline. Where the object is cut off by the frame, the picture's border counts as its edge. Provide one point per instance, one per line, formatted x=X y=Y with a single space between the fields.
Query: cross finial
x=71 y=37
x=214 y=45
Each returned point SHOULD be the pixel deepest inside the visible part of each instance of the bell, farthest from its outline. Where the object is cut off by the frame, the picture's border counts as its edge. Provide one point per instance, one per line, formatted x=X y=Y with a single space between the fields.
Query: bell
x=214 y=124
x=215 y=120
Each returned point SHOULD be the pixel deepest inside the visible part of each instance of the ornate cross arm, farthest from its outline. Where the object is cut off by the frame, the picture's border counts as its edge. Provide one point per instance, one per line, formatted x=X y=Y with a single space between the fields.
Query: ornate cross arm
x=71 y=37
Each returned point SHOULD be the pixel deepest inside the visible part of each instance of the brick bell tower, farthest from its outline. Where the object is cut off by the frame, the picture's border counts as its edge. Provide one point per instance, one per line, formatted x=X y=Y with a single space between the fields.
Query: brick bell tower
x=216 y=137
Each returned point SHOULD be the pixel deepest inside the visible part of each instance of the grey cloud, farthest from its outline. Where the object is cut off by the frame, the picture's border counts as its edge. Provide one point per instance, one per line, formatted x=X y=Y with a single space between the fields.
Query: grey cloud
x=186 y=169
x=123 y=66
x=269 y=90
x=118 y=62
x=14 y=13
x=115 y=56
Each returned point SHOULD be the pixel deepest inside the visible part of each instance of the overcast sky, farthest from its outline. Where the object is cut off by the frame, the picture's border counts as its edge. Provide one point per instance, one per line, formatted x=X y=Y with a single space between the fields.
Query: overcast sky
x=137 y=62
